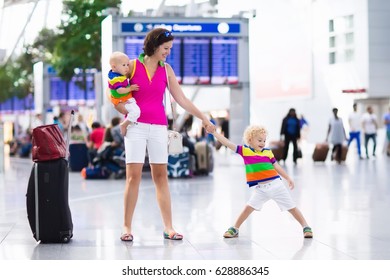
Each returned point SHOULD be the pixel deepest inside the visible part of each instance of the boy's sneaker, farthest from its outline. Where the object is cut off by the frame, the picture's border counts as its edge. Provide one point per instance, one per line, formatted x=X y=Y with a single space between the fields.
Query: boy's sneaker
x=307 y=232
x=231 y=232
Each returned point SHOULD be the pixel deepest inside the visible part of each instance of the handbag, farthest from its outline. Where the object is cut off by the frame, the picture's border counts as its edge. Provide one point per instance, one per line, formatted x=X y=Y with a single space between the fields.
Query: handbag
x=175 y=142
x=48 y=143
x=175 y=139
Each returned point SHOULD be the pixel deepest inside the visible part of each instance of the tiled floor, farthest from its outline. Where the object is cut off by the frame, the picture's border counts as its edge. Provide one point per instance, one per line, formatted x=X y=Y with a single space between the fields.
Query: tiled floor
x=347 y=206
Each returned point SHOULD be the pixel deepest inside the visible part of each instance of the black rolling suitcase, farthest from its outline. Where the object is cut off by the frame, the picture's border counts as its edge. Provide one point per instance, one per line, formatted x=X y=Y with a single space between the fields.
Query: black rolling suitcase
x=47 y=197
x=51 y=221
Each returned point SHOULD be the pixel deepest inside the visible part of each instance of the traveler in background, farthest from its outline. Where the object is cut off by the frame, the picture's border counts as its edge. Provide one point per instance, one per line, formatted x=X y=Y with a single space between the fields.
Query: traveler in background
x=386 y=121
x=336 y=135
x=370 y=126
x=150 y=72
x=354 y=121
x=291 y=130
x=95 y=139
x=117 y=138
x=38 y=121
x=82 y=124
x=77 y=135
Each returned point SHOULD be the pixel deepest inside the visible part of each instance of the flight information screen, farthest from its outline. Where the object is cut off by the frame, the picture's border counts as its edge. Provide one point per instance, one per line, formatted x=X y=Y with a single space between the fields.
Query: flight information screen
x=174 y=59
x=224 y=55
x=72 y=93
x=134 y=46
x=197 y=60
x=58 y=91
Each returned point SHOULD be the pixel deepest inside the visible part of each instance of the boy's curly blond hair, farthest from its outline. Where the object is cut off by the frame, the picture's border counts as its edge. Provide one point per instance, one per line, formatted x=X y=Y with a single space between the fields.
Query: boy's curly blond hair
x=252 y=131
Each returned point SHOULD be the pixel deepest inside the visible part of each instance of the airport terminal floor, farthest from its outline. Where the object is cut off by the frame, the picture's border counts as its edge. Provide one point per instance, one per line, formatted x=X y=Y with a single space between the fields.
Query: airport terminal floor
x=347 y=206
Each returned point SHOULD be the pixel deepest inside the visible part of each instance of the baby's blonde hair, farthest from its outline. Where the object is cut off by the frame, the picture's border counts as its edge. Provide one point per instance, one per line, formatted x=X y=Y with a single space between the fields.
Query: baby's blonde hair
x=252 y=131
x=115 y=56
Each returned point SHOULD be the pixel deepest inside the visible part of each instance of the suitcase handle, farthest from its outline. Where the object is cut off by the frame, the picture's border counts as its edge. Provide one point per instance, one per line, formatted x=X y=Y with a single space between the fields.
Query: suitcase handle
x=37 y=235
x=68 y=134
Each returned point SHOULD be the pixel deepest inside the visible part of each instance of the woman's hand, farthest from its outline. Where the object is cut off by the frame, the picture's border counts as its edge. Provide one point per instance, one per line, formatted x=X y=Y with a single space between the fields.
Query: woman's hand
x=209 y=126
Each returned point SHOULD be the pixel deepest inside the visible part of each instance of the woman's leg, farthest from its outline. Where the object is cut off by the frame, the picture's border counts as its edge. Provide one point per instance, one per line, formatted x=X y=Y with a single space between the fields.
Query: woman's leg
x=133 y=179
x=160 y=179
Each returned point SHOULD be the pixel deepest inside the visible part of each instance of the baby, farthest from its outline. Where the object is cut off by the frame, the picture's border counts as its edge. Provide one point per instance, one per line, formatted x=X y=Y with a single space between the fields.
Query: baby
x=121 y=89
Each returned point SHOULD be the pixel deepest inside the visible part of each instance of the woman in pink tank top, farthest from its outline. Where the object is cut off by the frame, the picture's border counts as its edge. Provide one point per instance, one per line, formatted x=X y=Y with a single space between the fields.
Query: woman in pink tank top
x=150 y=73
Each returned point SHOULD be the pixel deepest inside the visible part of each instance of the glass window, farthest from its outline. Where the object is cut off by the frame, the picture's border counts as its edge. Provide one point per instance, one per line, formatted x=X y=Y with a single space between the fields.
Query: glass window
x=331 y=25
x=332 y=58
x=349 y=21
x=349 y=55
x=349 y=38
x=332 y=42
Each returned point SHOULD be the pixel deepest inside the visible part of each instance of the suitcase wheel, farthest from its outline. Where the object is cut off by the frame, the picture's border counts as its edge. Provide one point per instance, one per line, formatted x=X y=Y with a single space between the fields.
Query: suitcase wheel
x=65 y=239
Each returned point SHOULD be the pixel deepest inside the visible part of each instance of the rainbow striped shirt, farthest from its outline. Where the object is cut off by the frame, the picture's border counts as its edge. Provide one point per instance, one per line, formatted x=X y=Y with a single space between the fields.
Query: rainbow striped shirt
x=115 y=81
x=259 y=166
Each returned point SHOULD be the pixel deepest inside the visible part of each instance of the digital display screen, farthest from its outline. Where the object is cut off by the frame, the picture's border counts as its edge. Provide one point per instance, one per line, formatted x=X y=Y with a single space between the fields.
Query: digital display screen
x=224 y=55
x=57 y=91
x=74 y=94
x=6 y=106
x=197 y=60
x=17 y=104
x=174 y=59
x=134 y=46
x=90 y=94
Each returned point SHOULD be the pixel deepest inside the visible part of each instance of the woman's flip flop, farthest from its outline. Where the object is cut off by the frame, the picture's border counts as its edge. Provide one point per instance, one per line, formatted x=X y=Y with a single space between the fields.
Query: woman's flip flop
x=126 y=237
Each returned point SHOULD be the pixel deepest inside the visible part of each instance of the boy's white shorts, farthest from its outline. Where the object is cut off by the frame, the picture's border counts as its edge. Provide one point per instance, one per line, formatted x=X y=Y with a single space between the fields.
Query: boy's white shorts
x=274 y=190
x=140 y=136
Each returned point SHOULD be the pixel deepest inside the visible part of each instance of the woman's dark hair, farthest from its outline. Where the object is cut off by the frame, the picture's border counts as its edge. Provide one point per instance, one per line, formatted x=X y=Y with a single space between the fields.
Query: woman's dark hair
x=156 y=38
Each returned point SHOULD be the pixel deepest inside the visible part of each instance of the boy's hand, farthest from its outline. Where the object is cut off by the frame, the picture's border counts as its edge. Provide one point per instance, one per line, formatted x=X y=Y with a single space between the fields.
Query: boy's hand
x=290 y=184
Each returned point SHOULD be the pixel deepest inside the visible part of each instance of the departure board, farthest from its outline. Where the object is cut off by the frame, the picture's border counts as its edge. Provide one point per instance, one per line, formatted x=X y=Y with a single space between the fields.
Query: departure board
x=76 y=93
x=90 y=90
x=197 y=60
x=174 y=59
x=224 y=66
x=57 y=91
x=134 y=46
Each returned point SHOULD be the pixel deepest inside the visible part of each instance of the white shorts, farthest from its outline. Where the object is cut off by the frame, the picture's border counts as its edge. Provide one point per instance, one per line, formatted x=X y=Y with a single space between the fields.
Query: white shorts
x=275 y=190
x=140 y=136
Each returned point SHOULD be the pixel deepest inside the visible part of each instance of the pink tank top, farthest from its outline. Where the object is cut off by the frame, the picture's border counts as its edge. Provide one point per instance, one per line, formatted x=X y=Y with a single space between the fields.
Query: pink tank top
x=150 y=95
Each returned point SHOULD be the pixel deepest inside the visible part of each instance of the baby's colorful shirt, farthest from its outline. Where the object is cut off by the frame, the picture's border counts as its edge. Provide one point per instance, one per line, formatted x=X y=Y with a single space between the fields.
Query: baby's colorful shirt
x=259 y=166
x=115 y=81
